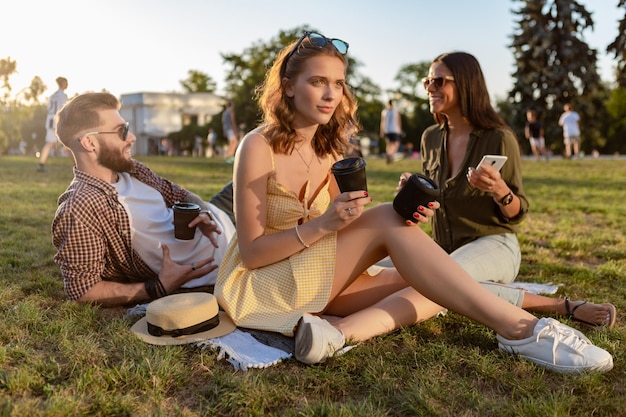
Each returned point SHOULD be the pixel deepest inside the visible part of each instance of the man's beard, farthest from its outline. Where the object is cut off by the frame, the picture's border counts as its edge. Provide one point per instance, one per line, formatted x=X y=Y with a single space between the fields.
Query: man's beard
x=113 y=159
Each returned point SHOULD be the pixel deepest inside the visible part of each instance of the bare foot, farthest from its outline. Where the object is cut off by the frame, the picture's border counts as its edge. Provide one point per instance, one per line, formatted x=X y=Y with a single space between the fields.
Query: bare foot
x=590 y=314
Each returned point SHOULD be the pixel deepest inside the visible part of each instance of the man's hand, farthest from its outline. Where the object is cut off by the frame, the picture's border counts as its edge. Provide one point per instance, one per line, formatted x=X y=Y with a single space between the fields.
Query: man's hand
x=173 y=275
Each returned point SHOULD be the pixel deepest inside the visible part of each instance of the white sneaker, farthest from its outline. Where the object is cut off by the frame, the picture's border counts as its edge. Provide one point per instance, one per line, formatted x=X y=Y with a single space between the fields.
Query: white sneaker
x=316 y=340
x=560 y=348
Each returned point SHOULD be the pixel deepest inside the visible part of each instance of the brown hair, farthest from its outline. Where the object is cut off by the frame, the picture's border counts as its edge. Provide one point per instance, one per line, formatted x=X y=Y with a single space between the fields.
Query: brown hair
x=472 y=91
x=62 y=82
x=279 y=111
x=81 y=114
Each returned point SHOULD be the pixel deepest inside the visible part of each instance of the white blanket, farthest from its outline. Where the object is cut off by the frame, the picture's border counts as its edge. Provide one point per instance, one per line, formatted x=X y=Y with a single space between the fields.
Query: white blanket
x=239 y=348
x=243 y=351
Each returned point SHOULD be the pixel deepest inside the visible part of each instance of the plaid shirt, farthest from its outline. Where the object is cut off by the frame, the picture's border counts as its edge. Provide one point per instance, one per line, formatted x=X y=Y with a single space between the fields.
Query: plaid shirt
x=91 y=231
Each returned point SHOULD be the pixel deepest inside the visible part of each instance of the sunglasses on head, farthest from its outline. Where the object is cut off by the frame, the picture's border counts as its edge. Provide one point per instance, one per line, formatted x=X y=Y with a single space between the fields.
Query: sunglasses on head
x=438 y=82
x=319 y=41
x=122 y=132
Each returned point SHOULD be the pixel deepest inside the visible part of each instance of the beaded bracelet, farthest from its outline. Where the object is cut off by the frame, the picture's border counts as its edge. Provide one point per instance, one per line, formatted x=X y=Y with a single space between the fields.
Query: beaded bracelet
x=300 y=238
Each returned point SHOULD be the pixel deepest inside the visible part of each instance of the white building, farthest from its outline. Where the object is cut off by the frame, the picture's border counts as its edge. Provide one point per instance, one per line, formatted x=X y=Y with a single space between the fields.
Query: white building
x=152 y=116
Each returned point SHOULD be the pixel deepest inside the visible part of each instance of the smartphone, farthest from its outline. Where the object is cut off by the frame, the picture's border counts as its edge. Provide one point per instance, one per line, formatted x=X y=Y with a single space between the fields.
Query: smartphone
x=496 y=161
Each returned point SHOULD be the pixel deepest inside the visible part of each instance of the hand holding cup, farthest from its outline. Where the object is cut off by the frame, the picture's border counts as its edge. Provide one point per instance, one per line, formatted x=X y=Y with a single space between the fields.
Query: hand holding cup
x=418 y=190
x=350 y=174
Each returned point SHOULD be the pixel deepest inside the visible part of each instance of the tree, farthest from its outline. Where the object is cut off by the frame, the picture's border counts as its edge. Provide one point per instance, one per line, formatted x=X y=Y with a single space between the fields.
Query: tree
x=22 y=118
x=198 y=82
x=7 y=68
x=618 y=48
x=616 y=107
x=555 y=66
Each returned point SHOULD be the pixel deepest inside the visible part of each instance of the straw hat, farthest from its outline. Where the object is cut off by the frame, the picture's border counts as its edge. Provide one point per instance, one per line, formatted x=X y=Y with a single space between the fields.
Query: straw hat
x=183 y=318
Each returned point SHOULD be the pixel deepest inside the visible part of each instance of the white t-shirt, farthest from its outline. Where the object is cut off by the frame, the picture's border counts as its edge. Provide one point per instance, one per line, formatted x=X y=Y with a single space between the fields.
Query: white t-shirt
x=569 y=121
x=391 y=124
x=151 y=225
x=57 y=100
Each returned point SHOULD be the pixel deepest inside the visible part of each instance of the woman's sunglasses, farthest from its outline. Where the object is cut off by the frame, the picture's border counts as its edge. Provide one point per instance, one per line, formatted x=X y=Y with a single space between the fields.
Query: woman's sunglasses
x=438 y=82
x=122 y=132
x=319 y=41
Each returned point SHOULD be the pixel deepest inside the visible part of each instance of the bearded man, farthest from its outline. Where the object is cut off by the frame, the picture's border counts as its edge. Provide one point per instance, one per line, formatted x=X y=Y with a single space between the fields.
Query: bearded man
x=113 y=228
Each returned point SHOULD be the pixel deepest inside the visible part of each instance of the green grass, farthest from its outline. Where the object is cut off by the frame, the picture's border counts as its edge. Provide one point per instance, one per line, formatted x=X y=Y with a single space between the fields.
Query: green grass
x=58 y=358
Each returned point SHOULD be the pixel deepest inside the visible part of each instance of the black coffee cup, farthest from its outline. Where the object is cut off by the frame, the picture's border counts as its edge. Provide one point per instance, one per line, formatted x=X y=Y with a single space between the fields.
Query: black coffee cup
x=184 y=213
x=350 y=174
x=418 y=190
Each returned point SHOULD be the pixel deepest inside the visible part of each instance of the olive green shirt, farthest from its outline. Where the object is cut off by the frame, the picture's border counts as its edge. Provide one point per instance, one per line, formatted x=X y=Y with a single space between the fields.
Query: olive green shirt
x=467 y=213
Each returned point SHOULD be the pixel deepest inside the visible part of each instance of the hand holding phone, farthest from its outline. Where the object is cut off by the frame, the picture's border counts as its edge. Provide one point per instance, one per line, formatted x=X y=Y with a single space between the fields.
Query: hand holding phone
x=495 y=161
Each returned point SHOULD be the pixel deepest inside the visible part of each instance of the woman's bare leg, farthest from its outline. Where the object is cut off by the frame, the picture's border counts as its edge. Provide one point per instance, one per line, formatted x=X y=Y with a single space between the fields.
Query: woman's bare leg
x=375 y=305
x=426 y=267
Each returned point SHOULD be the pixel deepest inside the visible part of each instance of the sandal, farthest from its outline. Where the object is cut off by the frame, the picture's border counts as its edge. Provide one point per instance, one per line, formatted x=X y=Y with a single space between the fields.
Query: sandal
x=572 y=311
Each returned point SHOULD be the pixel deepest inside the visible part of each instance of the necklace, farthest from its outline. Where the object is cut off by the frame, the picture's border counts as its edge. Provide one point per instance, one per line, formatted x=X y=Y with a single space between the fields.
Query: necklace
x=308 y=166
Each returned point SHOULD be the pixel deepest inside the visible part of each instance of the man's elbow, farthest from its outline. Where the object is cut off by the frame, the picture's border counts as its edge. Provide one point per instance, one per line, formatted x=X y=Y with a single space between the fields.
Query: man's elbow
x=87 y=299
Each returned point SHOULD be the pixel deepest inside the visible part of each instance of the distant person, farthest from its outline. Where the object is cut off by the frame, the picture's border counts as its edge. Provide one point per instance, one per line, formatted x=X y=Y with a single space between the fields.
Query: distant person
x=165 y=148
x=391 y=130
x=229 y=126
x=57 y=100
x=113 y=226
x=198 y=146
x=570 y=122
x=212 y=141
x=534 y=133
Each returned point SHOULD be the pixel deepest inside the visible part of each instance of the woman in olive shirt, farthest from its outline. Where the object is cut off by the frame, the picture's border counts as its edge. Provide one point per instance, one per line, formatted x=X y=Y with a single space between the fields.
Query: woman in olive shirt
x=482 y=208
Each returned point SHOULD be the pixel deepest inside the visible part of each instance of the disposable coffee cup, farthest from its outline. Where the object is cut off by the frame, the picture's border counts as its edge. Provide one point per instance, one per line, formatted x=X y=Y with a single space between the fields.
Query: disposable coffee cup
x=418 y=190
x=350 y=174
x=184 y=213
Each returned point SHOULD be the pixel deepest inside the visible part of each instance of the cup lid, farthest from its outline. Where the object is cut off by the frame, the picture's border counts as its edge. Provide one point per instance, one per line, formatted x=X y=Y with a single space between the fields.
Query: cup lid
x=186 y=206
x=349 y=163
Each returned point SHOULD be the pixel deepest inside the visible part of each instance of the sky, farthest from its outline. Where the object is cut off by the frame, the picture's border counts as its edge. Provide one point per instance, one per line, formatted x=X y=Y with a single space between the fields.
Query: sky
x=128 y=46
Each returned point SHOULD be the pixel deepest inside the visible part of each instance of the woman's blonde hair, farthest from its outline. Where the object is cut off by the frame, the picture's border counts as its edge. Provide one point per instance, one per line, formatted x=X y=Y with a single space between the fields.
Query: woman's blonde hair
x=279 y=110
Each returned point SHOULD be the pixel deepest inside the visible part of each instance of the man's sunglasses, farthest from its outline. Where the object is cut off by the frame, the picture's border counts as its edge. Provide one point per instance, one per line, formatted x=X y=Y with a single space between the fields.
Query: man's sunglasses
x=319 y=41
x=438 y=82
x=122 y=132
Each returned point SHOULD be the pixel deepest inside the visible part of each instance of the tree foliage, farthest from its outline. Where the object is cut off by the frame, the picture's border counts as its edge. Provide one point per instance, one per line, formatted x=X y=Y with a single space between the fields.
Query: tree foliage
x=7 y=68
x=22 y=117
x=555 y=66
x=198 y=82
x=618 y=48
x=616 y=107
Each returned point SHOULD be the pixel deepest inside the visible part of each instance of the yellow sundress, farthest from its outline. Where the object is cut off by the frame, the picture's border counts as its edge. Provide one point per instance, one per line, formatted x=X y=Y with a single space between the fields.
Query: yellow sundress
x=275 y=296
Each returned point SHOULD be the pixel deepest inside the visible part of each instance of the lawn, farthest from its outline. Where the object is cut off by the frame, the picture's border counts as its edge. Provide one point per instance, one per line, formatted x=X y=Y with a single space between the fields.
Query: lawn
x=58 y=358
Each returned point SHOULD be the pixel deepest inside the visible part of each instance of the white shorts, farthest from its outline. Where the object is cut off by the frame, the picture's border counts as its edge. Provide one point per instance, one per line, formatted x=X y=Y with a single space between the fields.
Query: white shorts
x=230 y=135
x=51 y=137
x=571 y=139
x=537 y=142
